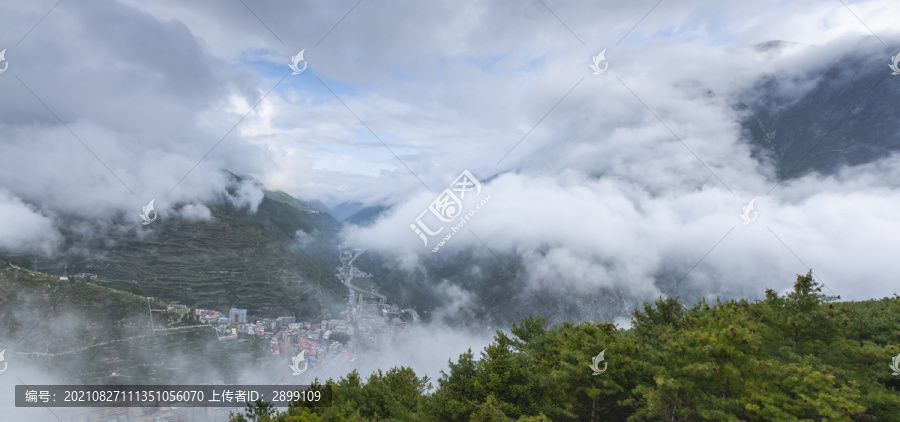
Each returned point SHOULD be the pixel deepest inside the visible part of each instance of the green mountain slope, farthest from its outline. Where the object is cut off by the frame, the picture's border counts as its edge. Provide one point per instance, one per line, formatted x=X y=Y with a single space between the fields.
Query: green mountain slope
x=237 y=259
x=367 y=215
x=83 y=332
x=279 y=260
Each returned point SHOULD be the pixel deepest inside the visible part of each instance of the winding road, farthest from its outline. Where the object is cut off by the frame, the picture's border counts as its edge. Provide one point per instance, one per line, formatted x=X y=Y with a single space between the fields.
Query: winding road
x=354 y=287
x=347 y=282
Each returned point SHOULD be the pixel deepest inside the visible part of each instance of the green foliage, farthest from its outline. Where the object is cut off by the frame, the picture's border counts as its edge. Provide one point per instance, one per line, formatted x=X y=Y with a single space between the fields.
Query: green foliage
x=278 y=260
x=796 y=357
x=259 y=411
x=801 y=316
x=59 y=319
x=489 y=412
x=663 y=312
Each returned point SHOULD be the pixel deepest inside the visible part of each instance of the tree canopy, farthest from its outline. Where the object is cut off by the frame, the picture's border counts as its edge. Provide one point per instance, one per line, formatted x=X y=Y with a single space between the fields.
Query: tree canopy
x=802 y=356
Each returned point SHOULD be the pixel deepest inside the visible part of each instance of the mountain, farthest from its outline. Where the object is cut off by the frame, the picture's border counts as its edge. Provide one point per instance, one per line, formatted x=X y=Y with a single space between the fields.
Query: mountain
x=367 y=215
x=346 y=209
x=843 y=114
x=316 y=205
x=277 y=261
x=86 y=332
x=271 y=262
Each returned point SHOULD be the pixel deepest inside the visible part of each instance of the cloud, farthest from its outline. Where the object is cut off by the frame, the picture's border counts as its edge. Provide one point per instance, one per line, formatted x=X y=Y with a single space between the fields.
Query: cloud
x=95 y=126
x=195 y=212
x=629 y=182
x=638 y=181
x=247 y=194
x=24 y=229
x=630 y=174
x=426 y=349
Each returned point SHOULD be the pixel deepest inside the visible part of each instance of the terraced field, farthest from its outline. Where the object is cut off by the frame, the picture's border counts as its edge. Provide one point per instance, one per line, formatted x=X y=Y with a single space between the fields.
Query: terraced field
x=84 y=332
x=276 y=261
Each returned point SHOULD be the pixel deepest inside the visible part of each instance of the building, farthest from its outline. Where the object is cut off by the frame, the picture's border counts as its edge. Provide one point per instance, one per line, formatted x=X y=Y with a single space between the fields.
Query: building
x=237 y=316
x=267 y=324
x=284 y=321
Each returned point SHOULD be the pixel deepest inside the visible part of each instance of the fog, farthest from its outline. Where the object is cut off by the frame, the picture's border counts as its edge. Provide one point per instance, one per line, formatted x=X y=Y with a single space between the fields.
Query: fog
x=629 y=182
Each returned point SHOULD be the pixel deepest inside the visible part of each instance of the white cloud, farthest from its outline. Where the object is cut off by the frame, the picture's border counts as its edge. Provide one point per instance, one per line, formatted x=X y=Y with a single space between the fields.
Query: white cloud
x=599 y=194
x=195 y=212
x=24 y=229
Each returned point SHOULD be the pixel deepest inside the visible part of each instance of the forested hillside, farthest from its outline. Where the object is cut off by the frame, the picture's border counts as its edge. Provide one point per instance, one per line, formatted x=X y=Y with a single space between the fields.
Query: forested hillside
x=803 y=356
x=82 y=332
x=276 y=260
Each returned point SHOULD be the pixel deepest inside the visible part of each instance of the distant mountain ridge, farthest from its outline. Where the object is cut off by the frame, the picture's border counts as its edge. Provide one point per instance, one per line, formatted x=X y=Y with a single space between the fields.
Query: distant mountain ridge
x=346 y=209
x=848 y=117
x=367 y=215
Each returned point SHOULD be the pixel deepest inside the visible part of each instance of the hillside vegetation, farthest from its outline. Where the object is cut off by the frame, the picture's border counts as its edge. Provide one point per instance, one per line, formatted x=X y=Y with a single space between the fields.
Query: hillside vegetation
x=796 y=357
x=276 y=261
x=84 y=332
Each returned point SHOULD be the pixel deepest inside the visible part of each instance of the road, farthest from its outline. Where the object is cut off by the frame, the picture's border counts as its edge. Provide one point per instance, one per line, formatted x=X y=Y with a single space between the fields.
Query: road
x=354 y=287
x=347 y=282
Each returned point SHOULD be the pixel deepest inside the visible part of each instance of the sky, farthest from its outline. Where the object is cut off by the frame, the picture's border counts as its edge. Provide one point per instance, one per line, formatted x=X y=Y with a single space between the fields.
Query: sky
x=595 y=180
